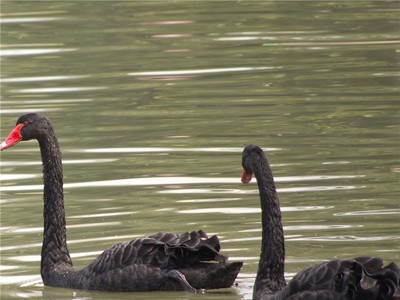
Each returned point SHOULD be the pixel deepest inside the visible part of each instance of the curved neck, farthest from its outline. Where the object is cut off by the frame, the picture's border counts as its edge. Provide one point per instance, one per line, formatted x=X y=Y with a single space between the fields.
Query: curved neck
x=270 y=276
x=54 y=250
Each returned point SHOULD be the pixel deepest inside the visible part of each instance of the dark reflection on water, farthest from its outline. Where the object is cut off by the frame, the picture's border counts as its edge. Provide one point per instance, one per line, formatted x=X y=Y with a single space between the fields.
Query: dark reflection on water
x=153 y=103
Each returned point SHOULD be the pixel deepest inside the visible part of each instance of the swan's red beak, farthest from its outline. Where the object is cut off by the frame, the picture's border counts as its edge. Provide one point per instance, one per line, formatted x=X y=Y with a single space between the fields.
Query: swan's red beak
x=246 y=176
x=13 y=138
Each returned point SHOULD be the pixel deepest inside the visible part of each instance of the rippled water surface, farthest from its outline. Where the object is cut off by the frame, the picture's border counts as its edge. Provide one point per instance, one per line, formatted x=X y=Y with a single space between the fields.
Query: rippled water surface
x=153 y=103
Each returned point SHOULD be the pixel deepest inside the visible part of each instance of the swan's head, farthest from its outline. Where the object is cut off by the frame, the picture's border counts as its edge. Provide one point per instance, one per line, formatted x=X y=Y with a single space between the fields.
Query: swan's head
x=29 y=126
x=252 y=155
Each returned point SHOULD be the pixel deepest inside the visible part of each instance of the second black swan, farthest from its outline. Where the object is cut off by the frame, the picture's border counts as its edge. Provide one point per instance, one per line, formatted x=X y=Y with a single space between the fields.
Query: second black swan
x=359 y=278
x=164 y=261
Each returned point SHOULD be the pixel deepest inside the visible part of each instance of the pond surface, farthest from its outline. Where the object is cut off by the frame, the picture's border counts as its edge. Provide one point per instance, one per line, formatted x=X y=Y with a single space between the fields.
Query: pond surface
x=153 y=103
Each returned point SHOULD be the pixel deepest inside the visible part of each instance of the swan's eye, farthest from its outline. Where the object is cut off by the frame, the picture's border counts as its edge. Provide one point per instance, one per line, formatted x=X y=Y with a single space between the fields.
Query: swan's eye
x=26 y=123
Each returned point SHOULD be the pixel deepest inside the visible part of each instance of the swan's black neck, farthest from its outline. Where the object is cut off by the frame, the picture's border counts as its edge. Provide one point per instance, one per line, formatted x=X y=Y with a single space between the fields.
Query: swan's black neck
x=55 y=255
x=270 y=274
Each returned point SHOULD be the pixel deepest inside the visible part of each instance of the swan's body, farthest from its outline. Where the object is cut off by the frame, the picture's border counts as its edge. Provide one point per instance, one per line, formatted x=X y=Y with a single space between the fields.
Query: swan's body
x=163 y=261
x=361 y=278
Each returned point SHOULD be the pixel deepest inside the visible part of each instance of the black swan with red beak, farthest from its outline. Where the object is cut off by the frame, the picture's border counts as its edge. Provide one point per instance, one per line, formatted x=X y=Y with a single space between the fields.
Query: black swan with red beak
x=163 y=261
x=362 y=278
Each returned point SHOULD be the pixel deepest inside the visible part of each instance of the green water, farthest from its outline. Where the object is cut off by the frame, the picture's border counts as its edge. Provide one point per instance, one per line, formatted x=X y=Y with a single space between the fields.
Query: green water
x=153 y=103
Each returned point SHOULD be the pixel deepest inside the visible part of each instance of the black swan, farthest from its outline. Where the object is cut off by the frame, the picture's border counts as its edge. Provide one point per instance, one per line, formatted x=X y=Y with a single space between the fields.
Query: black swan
x=359 y=278
x=164 y=261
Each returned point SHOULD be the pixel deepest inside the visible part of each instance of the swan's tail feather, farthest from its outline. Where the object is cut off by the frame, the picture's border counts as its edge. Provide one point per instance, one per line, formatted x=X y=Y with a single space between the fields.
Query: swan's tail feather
x=184 y=250
x=212 y=276
x=380 y=282
x=163 y=250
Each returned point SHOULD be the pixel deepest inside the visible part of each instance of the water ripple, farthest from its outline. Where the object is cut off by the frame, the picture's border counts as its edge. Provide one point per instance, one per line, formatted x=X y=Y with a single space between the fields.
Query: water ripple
x=308 y=227
x=41 y=101
x=37 y=258
x=40 y=229
x=173 y=181
x=103 y=215
x=129 y=182
x=27 y=20
x=240 y=191
x=249 y=210
x=60 y=89
x=20 y=52
x=200 y=71
x=160 y=149
x=26 y=110
x=70 y=242
x=42 y=78
x=4 y=177
x=65 y=162
x=5 y=268
x=345 y=238
x=20 y=279
x=208 y=200
x=370 y=212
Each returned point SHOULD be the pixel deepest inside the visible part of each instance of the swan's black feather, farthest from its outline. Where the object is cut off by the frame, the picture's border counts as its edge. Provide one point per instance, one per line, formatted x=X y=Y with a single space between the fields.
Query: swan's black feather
x=162 y=250
x=141 y=264
x=363 y=278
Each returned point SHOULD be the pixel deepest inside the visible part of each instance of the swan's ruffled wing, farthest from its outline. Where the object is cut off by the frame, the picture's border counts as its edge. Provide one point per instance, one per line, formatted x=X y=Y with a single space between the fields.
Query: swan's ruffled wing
x=359 y=278
x=161 y=250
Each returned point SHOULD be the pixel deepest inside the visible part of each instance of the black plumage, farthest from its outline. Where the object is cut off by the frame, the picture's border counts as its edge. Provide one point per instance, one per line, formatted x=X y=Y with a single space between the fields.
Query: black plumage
x=163 y=261
x=362 y=278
